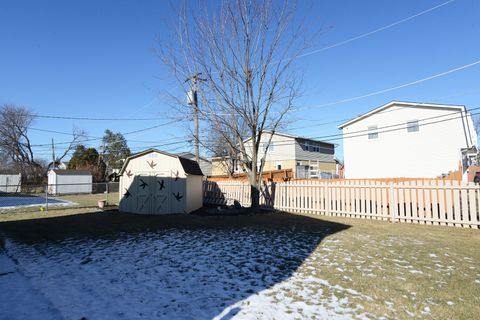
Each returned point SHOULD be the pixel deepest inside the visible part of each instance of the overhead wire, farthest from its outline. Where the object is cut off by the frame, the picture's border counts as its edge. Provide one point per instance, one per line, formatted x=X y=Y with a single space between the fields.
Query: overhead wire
x=363 y=35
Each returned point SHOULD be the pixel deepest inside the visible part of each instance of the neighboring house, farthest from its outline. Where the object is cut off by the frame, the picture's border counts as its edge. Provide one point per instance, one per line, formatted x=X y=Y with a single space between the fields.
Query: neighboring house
x=157 y=182
x=205 y=164
x=69 y=182
x=307 y=158
x=405 y=139
x=339 y=168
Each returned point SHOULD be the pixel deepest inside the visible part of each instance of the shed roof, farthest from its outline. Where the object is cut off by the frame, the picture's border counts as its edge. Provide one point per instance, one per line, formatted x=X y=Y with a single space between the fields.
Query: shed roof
x=72 y=172
x=189 y=166
x=401 y=104
x=9 y=172
x=191 y=156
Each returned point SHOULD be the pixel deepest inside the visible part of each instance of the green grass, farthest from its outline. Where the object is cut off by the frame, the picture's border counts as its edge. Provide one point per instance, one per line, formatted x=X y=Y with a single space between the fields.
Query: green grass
x=397 y=270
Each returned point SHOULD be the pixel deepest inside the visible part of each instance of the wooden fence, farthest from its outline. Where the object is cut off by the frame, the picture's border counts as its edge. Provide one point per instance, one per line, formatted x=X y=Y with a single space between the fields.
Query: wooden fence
x=449 y=203
x=275 y=176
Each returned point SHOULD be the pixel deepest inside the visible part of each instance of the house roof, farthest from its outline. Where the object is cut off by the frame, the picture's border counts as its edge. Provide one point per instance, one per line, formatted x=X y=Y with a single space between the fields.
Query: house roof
x=8 y=172
x=72 y=172
x=191 y=156
x=294 y=137
x=189 y=166
x=401 y=104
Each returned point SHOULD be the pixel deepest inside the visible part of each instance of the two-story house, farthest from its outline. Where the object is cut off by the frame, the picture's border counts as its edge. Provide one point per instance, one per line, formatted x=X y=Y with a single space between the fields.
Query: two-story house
x=307 y=158
x=405 y=139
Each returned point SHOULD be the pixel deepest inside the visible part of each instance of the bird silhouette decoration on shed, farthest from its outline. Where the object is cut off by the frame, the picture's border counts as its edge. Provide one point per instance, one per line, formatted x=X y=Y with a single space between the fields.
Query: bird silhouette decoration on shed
x=143 y=184
x=152 y=164
x=177 y=196
x=162 y=184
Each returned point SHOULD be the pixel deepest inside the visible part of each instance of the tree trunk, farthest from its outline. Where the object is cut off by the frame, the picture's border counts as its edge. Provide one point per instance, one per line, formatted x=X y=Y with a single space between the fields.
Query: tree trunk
x=254 y=196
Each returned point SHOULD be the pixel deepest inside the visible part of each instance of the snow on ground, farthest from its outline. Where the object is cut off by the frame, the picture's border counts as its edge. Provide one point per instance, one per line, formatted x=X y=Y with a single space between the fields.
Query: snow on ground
x=18 y=299
x=177 y=274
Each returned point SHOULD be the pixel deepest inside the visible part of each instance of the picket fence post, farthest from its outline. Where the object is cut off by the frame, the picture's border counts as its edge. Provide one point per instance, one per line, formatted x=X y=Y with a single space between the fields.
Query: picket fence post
x=392 y=203
x=327 y=200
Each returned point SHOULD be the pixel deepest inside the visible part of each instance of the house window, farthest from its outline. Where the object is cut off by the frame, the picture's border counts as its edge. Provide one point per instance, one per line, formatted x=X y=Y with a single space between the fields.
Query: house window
x=372 y=132
x=278 y=165
x=311 y=146
x=412 y=126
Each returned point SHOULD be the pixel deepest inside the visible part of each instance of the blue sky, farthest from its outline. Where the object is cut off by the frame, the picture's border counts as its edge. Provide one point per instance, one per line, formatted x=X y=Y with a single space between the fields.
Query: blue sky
x=95 y=59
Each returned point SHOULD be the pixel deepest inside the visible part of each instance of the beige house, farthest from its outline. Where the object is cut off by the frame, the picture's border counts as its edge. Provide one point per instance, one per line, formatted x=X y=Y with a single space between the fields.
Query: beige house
x=307 y=158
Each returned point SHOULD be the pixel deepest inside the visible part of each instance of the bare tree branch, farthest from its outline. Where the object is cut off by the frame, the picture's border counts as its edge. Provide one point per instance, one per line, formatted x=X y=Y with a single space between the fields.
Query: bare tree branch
x=245 y=49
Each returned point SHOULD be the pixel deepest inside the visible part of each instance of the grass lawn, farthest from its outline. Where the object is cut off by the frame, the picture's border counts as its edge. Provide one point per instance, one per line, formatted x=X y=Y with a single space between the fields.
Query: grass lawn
x=75 y=201
x=113 y=265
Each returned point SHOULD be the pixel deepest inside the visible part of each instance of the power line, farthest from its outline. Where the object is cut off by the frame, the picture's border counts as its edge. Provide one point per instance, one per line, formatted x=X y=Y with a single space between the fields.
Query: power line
x=97 y=119
x=476 y=90
x=388 y=26
x=384 y=131
x=99 y=138
x=402 y=124
x=394 y=88
x=403 y=128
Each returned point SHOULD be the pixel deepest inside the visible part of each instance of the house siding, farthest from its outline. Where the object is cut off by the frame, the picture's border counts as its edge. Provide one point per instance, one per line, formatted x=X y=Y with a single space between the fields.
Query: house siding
x=429 y=152
x=301 y=154
x=287 y=151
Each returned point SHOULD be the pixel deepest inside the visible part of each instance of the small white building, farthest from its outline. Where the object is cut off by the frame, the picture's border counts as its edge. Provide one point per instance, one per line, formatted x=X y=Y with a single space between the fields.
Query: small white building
x=156 y=182
x=404 y=139
x=69 y=182
x=10 y=182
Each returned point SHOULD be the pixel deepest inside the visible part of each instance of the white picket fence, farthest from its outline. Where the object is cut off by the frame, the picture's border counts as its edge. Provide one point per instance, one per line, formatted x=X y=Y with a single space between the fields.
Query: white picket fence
x=434 y=202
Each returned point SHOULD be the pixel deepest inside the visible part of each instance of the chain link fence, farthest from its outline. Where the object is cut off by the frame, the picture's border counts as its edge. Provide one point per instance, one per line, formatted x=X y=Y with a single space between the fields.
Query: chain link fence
x=29 y=197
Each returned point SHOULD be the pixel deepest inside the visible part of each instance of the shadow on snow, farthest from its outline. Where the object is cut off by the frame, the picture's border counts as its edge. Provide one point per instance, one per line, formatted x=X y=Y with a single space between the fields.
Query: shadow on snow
x=169 y=266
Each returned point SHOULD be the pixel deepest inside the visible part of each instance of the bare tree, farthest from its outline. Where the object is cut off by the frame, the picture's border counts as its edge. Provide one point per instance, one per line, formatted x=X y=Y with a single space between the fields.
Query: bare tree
x=15 y=143
x=244 y=49
x=219 y=147
x=77 y=136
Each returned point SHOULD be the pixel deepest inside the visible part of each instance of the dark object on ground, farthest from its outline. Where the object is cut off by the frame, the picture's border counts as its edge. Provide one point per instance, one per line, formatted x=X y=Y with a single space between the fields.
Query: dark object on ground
x=234 y=210
x=476 y=179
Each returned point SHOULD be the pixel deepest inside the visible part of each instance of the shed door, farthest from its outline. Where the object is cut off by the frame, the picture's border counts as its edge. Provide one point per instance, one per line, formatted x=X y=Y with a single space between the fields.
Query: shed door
x=153 y=190
x=144 y=194
x=161 y=190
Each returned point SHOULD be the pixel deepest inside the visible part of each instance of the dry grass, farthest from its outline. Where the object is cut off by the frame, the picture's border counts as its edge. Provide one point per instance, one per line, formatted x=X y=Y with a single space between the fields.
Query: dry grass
x=407 y=270
x=77 y=201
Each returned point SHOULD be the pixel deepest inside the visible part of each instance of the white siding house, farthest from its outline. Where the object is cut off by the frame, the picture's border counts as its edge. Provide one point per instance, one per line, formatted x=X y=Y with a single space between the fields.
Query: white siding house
x=69 y=182
x=156 y=182
x=404 y=139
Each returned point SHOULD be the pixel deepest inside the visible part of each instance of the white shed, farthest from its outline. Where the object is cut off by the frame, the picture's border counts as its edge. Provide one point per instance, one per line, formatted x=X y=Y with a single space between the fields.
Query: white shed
x=156 y=182
x=69 y=182
x=10 y=182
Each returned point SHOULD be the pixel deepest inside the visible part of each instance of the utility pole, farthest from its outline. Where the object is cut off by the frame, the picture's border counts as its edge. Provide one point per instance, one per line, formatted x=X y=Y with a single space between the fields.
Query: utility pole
x=53 y=155
x=193 y=100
